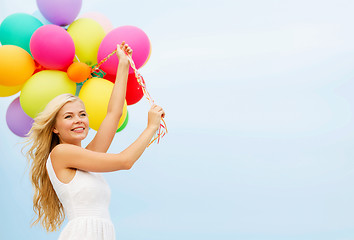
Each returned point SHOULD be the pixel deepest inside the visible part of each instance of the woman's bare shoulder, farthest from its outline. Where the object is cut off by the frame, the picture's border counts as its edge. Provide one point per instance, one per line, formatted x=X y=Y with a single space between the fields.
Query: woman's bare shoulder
x=63 y=152
x=63 y=147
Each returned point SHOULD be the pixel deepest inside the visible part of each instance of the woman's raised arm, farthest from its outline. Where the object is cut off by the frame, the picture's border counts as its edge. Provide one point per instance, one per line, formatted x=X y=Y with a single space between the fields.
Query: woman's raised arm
x=108 y=128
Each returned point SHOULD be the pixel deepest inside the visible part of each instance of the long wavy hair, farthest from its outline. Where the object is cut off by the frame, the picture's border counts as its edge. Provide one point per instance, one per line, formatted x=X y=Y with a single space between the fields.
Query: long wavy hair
x=41 y=139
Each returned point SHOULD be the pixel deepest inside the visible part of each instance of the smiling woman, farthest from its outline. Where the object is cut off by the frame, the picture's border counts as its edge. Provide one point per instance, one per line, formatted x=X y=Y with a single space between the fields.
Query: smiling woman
x=64 y=174
x=72 y=123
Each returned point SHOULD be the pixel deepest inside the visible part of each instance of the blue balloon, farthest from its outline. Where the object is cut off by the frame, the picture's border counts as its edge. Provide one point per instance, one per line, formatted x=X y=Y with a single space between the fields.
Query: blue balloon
x=17 y=29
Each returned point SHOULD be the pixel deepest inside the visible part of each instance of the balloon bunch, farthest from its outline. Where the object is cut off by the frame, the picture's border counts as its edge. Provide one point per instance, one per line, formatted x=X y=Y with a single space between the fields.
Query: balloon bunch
x=50 y=53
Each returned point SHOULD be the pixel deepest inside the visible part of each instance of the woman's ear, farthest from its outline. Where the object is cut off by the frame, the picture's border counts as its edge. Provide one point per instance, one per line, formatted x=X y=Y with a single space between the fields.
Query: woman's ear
x=55 y=130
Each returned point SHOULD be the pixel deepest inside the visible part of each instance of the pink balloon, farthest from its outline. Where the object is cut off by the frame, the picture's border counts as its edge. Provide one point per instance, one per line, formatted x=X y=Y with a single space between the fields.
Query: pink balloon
x=101 y=19
x=52 y=47
x=134 y=37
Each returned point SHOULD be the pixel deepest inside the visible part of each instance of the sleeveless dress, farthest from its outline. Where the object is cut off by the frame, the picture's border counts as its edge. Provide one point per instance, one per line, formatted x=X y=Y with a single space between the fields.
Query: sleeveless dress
x=85 y=200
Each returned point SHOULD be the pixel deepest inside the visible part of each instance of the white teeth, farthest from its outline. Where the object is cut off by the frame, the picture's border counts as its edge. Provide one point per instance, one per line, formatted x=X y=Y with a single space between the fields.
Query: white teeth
x=78 y=129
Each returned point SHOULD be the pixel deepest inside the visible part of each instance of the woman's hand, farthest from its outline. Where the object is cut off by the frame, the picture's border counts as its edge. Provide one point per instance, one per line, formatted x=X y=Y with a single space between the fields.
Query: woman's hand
x=154 y=116
x=123 y=50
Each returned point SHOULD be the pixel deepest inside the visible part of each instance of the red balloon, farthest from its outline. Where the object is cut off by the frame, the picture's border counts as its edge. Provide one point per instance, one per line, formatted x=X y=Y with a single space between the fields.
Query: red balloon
x=134 y=90
x=111 y=78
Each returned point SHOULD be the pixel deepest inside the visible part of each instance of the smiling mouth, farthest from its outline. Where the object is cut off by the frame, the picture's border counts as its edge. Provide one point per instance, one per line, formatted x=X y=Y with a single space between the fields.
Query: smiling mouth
x=79 y=129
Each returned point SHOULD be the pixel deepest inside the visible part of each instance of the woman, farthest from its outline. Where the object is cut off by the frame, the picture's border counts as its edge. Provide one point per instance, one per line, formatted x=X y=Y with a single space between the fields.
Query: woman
x=64 y=173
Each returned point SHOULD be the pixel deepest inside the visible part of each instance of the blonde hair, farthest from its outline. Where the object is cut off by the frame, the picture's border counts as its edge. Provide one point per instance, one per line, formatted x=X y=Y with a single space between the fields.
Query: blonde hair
x=42 y=140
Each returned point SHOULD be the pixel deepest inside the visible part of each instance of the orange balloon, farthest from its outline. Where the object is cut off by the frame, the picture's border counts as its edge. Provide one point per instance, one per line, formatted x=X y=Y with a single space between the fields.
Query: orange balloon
x=79 y=72
x=16 y=65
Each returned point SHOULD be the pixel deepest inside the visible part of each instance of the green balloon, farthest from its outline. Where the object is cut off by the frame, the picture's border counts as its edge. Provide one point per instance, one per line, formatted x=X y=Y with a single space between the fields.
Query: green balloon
x=124 y=123
x=17 y=29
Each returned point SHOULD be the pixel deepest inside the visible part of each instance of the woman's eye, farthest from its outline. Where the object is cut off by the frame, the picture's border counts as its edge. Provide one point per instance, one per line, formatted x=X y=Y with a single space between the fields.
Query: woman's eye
x=68 y=116
x=83 y=114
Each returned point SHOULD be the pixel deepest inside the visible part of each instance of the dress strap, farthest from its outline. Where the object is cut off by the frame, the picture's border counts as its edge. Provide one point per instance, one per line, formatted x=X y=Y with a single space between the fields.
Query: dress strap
x=51 y=172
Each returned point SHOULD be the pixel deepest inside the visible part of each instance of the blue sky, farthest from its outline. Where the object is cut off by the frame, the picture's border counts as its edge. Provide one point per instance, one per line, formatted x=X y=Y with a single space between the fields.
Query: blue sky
x=258 y=99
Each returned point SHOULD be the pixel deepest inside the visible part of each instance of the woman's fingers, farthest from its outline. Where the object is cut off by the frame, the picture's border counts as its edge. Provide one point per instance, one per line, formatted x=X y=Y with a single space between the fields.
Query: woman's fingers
x=120 y=46
x=162 y=112
x=159 y=110
x=125 y=47
x=123 y=50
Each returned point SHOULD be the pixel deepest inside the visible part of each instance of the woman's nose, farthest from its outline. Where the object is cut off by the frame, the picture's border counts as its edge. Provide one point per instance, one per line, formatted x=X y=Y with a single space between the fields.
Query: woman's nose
x=77 y=119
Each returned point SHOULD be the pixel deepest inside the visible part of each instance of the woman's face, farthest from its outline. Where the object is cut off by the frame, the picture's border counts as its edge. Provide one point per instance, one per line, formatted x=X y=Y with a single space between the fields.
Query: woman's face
x=72 y=124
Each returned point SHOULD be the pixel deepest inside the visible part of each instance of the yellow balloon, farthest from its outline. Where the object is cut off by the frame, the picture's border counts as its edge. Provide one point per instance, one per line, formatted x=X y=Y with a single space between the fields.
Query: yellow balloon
x=95 y=93
x=16 y=65
x=6 y=91
x=42 y=87
x=87 y=35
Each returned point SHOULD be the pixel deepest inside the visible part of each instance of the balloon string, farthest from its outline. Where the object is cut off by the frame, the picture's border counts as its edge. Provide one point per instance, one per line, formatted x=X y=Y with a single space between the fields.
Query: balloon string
x=161 y=132
x=77 y=59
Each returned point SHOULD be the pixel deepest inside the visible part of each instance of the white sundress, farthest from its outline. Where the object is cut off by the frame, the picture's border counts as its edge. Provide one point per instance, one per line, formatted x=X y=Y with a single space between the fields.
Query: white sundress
x=86 y=201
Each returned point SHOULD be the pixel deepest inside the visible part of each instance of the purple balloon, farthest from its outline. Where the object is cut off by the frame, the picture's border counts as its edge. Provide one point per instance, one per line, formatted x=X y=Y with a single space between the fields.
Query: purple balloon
x=59 y=12
x=17 y=120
